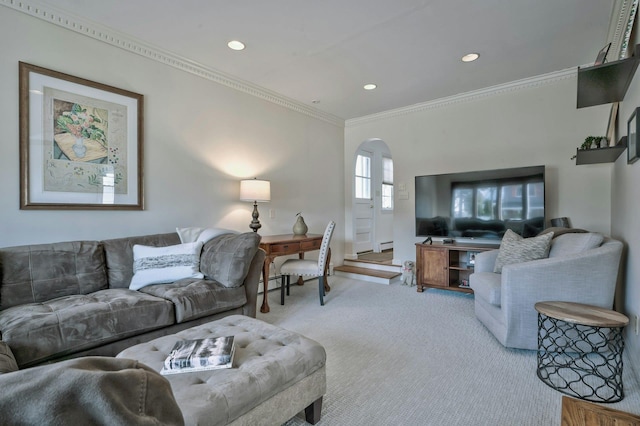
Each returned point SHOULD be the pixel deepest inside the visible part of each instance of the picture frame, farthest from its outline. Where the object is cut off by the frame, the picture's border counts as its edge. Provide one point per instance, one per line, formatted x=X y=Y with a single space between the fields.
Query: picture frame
x=613 y=124
x=602 y=55
x=81 y=143
x=632 y=137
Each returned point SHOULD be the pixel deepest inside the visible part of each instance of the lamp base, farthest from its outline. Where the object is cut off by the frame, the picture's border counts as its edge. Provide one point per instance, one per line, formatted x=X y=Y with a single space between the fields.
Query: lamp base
x=255 y=223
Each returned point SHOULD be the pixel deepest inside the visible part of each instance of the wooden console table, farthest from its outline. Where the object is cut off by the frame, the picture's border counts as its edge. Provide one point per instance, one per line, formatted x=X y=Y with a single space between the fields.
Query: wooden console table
x=282 y=245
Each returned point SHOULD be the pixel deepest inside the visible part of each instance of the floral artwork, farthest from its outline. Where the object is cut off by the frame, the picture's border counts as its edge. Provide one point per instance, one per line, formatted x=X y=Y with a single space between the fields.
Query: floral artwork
x=85 y=154
x=82 y=123
x=80 y=143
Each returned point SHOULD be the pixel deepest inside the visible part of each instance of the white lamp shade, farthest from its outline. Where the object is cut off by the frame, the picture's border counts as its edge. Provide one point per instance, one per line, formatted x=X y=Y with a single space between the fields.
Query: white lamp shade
x=255 y=190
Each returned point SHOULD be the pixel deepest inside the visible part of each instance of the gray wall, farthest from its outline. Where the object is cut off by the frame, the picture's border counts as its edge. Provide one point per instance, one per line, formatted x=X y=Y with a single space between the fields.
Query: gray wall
x=533 y=123
x=522 y=125
x=201 y=138
x=625 y=222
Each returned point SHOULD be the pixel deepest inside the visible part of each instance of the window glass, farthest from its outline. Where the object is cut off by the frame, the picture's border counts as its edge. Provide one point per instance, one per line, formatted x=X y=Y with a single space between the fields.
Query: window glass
x=535 y=199
x=462 y=202
x=486 y=202
x=363 y=177
x=387 y=183
x=511 y=205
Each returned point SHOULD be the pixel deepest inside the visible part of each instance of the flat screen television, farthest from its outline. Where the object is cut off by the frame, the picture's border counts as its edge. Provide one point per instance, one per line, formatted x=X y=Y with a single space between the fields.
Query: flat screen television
x=480 y=205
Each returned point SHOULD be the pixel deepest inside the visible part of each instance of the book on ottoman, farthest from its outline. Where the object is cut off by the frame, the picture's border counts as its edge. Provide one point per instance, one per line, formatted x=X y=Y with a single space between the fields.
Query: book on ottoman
x=200 y=354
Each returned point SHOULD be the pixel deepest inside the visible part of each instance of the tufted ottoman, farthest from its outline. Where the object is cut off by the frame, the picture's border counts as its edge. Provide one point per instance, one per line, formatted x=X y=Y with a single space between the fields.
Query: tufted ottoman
x=276 y=374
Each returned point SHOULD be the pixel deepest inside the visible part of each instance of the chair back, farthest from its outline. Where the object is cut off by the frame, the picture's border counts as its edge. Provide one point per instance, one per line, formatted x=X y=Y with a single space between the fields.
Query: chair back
x=324 y=247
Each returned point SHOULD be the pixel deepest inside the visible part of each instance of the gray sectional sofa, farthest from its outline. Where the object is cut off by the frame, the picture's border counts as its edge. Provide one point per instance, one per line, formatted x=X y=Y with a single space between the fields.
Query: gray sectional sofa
x=71 y=299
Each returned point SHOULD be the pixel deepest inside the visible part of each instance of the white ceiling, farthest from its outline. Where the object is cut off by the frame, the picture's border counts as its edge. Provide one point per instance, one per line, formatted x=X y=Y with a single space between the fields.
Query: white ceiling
x=327 y=50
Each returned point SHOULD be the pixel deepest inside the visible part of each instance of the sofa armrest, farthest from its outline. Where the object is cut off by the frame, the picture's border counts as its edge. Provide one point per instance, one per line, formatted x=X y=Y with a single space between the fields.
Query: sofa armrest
x=88 y=390
x=252 y=282
x=485 y=261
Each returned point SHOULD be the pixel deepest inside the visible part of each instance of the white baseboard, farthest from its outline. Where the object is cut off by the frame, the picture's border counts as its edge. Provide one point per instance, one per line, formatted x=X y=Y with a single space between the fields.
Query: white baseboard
x=385 y=246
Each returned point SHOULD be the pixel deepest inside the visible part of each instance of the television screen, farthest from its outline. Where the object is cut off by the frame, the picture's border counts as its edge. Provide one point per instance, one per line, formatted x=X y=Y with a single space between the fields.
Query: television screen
x=481 y=205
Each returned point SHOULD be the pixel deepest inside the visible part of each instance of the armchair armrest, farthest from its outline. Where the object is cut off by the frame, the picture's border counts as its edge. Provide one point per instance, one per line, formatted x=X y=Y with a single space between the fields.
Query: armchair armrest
x=485 y=261
x=587 y=277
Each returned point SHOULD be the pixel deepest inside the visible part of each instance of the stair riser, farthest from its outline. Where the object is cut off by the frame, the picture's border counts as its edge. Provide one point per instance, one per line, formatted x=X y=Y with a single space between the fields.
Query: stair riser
x=368 y=278
x=377 y=267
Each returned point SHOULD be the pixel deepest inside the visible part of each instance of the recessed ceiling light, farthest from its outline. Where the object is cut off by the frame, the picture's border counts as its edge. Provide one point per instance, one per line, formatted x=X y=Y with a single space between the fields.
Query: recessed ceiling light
x=470 y=57
x=370 y=86
x=236 y=45
x=315 y=101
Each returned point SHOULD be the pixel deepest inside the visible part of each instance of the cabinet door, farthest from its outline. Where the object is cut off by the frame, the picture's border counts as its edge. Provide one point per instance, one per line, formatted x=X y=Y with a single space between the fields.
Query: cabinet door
x=433 y=268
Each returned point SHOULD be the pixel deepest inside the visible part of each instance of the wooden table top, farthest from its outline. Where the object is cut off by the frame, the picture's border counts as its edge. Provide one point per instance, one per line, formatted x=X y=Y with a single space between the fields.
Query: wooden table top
x=287 y=238
x=578 y=313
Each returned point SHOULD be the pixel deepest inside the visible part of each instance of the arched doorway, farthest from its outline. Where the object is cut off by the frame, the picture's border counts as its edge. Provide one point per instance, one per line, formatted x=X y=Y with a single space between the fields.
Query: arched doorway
x=372 y=200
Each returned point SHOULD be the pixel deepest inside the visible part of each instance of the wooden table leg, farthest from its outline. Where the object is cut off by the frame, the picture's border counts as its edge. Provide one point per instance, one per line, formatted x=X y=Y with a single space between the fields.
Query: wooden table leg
x=265 y=280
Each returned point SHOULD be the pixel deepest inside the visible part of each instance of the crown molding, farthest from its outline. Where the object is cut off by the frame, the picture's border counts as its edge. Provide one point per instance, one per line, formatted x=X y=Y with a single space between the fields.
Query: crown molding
x=123 y=41
x=620 y=26
x=526 y=83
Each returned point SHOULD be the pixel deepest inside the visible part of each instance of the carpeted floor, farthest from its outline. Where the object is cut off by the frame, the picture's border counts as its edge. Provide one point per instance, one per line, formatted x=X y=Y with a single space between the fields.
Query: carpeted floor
x=398 y=357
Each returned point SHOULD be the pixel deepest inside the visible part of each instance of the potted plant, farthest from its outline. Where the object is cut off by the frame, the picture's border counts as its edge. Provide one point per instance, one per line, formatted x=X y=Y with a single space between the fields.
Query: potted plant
x=593 y=142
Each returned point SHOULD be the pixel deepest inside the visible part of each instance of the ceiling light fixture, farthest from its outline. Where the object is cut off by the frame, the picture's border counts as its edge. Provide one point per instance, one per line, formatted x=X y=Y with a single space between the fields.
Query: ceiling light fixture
x=470 y=57
x=370 y=86
x=236 y=45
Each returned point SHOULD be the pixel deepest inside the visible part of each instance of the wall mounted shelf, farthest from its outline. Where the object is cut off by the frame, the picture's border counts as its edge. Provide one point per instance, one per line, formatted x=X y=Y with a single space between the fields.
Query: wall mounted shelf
x=606 y=83
x=601 y=155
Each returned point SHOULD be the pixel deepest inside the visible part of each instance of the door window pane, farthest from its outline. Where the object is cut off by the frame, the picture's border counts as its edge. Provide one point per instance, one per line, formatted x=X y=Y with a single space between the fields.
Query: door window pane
x=363 y=177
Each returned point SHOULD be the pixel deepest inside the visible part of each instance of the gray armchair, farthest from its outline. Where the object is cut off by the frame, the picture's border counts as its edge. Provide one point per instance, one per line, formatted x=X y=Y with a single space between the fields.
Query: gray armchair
x=581 y=268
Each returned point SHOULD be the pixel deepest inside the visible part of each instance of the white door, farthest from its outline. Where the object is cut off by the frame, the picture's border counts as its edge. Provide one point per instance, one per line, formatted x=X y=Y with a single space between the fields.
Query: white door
x=363 y=203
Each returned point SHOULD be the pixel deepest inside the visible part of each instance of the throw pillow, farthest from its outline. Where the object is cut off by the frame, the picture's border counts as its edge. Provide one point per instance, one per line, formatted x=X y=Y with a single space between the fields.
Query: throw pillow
x=575 y=243
x=515 y=249
x=159 y=265
x=192 y=234
x=8 y=363
x=227 y=258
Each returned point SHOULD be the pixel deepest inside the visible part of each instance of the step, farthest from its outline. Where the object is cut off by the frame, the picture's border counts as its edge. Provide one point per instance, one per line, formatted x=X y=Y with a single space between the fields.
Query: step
x=372 y=265
x=367 y=274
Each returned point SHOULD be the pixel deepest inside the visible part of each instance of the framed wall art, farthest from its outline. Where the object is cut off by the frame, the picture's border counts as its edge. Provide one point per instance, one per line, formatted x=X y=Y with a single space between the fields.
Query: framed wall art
x=632 y=137
x=81 y=143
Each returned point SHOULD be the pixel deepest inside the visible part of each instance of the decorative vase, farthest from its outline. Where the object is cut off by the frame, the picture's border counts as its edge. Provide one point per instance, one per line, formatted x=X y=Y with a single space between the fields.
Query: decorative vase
x=604 y=143
x=300 y=228
x=79 y=148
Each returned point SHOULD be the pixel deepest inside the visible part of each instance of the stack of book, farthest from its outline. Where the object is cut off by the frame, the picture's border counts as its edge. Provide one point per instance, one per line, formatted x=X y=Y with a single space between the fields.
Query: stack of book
x=200 y=354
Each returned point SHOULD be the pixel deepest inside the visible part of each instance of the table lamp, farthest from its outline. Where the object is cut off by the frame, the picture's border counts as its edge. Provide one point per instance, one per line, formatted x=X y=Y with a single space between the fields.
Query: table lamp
x=256 y=191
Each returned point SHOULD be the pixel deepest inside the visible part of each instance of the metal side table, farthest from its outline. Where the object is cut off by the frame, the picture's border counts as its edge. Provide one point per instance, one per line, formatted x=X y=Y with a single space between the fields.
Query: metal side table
x=580 y=350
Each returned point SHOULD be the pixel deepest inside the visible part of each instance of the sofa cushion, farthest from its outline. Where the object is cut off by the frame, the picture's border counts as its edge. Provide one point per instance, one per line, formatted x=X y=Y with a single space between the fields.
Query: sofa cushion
x=515 y=249
x=88 y=391
x=486 y=286
x=37 y=331
x=226 y=258
x=192 y=235
x=7 y=360
x=119 y=255
x=37 y=273
x=567 y=244
x=193 y=298
x=158 y=265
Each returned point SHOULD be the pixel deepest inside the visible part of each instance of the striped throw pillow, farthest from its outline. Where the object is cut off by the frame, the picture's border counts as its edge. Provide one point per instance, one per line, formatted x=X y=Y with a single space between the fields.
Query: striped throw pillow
x=515 y=249
x=159 y=265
